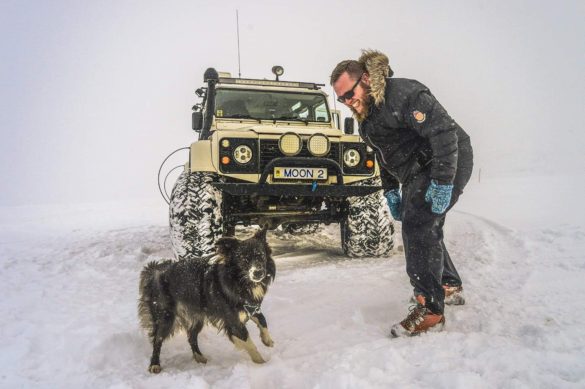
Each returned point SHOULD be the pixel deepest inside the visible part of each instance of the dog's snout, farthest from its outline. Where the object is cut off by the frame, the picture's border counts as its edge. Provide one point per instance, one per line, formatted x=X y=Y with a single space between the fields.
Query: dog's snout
x=257 y=274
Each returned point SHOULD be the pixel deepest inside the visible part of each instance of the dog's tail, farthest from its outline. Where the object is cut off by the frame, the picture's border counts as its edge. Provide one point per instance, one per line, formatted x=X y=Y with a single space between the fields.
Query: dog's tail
x=148 y=289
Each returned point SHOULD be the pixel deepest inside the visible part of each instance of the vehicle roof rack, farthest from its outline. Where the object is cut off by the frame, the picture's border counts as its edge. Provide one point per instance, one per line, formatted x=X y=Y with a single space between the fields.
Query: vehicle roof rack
x=287 y=84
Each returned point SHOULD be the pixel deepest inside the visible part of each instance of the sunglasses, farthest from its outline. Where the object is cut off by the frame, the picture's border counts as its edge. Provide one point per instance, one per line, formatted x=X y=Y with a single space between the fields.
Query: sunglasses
x=350 y=93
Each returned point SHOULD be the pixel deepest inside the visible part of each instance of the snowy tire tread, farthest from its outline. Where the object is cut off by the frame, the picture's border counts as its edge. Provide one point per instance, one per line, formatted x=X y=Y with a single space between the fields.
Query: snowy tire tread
x=368 y=230
x=195 y=217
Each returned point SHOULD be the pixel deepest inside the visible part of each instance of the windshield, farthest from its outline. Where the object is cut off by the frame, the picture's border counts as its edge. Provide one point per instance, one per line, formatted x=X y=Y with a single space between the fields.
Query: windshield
x=270 y=105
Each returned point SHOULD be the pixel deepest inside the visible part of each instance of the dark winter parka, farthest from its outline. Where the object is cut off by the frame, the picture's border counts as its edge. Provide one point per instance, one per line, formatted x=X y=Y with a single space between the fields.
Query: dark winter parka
x=410 y=130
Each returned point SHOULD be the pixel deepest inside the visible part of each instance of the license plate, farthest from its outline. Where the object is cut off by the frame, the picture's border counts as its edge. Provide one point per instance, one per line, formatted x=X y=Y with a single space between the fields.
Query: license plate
x=300 y=173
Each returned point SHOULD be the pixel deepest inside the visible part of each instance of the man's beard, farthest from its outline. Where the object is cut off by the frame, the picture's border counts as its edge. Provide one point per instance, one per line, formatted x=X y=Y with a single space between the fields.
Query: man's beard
x=367 y=103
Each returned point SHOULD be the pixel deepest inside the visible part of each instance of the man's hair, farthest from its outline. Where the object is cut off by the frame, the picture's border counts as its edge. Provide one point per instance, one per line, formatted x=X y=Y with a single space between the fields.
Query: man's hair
x=354 y=68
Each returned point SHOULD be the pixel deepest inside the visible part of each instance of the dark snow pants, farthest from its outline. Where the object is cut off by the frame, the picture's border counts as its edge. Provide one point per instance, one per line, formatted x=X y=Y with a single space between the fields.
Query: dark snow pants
x=428 y=263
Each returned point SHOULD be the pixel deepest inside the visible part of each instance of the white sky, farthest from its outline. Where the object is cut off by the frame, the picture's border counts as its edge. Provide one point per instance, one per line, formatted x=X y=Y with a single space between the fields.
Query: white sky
x=95 y=95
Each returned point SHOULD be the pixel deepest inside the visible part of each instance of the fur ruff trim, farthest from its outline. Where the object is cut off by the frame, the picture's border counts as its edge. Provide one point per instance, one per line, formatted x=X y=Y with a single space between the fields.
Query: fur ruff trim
x=377 y=66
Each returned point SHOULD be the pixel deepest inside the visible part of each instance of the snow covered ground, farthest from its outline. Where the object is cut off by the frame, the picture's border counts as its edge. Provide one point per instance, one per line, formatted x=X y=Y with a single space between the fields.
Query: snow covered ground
x=69 y=277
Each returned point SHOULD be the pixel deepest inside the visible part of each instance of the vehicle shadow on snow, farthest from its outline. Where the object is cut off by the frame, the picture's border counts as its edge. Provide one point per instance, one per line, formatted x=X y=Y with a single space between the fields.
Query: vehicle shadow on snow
x=322 y=246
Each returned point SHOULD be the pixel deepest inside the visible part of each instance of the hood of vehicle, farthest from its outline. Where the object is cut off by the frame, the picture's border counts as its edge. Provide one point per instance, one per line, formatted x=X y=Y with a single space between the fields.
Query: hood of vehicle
x=279 y=129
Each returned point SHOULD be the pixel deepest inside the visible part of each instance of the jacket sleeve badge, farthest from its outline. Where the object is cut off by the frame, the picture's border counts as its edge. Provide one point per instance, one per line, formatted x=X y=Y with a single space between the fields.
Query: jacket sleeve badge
x=419 y=116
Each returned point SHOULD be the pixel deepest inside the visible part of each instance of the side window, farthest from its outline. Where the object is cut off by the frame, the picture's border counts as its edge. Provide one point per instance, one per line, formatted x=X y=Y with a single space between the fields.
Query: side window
x=336 y=120
x=321 y=112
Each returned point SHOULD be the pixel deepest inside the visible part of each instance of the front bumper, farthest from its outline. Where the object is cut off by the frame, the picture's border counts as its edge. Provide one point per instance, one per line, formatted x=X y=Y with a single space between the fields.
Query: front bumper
x=309 y=189
x=242 y=189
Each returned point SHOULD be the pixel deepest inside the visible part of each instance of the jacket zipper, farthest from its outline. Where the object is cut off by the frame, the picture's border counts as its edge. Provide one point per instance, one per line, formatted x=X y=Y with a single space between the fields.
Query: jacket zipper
x=369 y=141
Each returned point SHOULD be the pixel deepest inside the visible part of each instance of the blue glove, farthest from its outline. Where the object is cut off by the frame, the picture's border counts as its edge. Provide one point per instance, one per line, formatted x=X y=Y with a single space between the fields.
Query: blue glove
x=393 y=198
x=439 y=196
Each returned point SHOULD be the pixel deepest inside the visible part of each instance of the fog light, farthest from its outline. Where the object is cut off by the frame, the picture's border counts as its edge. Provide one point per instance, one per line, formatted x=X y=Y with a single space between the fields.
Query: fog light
x=318 y=145
x=290 y=144
x=225 y=143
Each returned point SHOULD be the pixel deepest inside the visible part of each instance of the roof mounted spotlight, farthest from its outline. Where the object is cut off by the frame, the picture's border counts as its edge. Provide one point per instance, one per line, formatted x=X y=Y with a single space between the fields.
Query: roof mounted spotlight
x=278 y=71
x=210 y=75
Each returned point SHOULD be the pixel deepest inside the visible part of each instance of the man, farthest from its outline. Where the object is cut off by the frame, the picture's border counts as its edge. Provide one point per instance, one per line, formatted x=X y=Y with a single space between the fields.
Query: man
x=421 y=147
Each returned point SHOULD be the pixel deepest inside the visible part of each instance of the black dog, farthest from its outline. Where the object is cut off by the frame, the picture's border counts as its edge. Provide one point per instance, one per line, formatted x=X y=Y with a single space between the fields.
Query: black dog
x=225 y=292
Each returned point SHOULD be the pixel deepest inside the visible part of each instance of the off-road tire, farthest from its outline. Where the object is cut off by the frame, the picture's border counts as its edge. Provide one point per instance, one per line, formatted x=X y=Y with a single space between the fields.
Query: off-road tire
x=301 y=229
x=195 y=218
x=367 y=230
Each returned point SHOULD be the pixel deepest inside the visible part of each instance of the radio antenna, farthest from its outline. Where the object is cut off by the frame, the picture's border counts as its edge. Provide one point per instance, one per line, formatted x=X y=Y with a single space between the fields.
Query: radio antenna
x=238 y=31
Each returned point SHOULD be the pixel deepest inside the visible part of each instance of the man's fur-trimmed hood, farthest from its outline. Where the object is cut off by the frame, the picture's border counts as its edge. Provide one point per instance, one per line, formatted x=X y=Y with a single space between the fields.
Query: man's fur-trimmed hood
x=377 y=66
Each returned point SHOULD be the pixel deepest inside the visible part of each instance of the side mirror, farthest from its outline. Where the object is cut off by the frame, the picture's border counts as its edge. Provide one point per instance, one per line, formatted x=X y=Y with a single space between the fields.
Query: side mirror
x=197 y=121
x=348 y=126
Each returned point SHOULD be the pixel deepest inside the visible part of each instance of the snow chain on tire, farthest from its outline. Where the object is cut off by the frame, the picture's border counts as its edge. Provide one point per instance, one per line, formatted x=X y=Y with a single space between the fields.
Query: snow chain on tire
x=195 y=216
x=368 y=230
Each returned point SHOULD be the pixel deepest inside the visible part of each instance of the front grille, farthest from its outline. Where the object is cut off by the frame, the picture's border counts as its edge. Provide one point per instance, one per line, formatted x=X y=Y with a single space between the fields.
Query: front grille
x=269 y=150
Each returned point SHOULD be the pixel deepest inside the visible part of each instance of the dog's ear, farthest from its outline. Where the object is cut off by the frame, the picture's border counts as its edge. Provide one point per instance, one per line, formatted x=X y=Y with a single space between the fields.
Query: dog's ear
x=261 y=234
x=226 y=245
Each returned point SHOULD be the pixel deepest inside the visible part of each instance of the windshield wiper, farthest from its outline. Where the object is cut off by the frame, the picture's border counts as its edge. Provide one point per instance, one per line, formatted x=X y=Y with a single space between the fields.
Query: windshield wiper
x=241 y=116
x=294 y=118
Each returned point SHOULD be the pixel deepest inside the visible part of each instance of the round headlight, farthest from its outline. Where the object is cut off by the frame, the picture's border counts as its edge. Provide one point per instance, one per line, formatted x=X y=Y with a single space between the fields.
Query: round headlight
x=290 y=144
x=242 y=154
x=318 y=145
x=351 y=157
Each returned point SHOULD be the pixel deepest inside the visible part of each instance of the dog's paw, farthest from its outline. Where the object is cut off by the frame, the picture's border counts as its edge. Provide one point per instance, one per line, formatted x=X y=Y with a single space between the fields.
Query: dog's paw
x=268 y=342
x=199 y=358
x=258 y=359
x=266 y=339
x=155 y=369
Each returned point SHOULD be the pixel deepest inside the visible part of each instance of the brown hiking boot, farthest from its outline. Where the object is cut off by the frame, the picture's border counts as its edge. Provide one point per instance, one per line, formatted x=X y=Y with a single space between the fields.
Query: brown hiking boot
x=454 y=295
x=419 y=320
